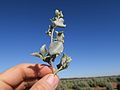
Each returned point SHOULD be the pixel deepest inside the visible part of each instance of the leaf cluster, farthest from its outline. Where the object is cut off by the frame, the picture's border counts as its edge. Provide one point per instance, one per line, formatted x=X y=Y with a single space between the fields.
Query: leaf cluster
x=56 y=45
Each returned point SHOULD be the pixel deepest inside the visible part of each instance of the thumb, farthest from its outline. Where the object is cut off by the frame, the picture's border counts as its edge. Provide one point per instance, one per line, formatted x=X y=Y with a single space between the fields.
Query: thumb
x=48 y=82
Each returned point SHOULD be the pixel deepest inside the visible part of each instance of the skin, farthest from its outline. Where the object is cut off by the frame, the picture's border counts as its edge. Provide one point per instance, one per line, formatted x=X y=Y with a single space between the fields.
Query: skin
x=27 y=76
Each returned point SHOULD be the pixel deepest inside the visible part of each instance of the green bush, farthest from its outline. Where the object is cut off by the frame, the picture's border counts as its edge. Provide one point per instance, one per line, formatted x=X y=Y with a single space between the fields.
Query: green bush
x=82 y=84
x=101 y=82
x=88 y=83
x=83 y=88
x=113 y=79
x=62 y=87
x=118 y=79
x=109 y=86
x=70 y=84
x=91 y=83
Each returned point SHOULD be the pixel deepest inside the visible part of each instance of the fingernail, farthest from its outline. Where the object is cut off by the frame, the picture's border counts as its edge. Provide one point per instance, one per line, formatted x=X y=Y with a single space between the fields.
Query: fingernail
x=52 y=81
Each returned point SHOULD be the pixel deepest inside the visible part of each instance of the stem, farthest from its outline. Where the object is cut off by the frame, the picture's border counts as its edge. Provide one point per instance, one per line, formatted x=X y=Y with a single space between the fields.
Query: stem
x=57 y=70
x=52 y=33
x=51 y=64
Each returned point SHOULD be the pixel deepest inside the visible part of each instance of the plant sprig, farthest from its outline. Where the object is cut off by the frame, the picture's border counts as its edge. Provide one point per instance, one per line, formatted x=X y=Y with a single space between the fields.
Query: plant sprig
x=56 y=46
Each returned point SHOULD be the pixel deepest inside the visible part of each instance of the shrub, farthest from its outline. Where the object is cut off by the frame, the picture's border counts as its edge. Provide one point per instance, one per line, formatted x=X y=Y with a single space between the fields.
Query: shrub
x=62 y=87
x=112 y=79
x=118 y=79
x=109 y=86
x=83 y=88
x=91 y=83
x=100 y=82
x=83 y=84
x=70 y=84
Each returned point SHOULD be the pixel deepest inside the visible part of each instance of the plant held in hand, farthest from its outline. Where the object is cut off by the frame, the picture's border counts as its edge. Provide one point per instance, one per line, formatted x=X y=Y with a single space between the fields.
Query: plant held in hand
x=56 y=46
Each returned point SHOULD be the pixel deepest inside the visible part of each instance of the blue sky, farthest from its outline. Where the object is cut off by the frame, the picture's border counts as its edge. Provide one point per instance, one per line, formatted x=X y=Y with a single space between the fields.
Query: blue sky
x=92 y=35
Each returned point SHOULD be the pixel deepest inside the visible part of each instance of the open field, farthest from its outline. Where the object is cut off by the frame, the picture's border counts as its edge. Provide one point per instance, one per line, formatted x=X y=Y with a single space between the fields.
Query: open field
x=91 y=83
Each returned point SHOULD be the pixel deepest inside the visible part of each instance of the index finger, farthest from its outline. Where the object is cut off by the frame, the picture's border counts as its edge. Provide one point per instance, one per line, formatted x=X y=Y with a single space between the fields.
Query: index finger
x=19 y=73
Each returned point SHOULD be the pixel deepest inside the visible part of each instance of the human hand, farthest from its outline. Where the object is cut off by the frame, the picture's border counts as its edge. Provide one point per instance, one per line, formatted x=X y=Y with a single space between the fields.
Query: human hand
x=28 y=76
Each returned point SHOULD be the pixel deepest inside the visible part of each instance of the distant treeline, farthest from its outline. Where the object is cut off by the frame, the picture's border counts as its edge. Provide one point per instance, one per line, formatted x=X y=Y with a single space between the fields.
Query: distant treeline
x=92 y=83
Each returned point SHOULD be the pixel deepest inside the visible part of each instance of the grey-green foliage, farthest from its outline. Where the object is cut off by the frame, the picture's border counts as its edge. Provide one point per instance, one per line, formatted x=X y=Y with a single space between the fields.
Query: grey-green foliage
x=62 y=87
x=64 y=62
x=98 y=82
x=113 y=79
x=83 y=84
x=118 y=79
x=56 y=45
x=109 y=86
x=101 y=82
x=84 y=88
x=90 y=83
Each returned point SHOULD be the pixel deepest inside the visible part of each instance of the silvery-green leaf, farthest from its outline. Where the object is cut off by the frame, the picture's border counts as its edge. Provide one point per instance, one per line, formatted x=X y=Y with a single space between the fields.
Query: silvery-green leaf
x=60 y=36
x=56 y=47
x=59 y=22
x=36 y=54
x=58 y=13
x=43 y=50
x=44 y=58
x=65 y=60
x=61 y=14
